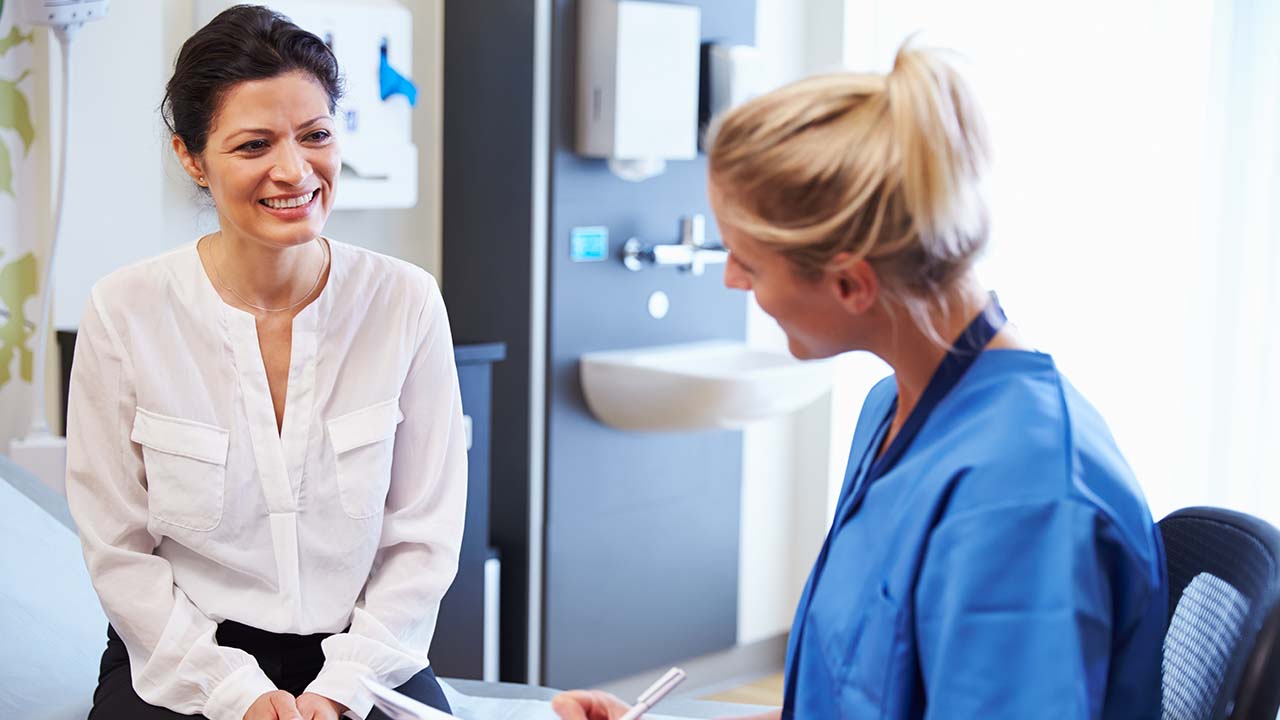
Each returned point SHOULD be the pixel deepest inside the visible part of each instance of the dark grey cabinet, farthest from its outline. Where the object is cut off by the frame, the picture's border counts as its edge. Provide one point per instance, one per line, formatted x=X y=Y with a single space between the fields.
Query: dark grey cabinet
x=458 y=649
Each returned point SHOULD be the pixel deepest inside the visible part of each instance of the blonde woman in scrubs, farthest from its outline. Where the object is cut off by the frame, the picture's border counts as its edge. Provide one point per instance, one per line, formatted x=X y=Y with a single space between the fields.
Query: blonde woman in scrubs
x=265 y=449
x=991 y=554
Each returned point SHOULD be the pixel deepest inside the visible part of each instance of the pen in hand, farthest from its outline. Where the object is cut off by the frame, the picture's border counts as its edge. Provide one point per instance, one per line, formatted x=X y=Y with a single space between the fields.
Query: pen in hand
x=656 y=692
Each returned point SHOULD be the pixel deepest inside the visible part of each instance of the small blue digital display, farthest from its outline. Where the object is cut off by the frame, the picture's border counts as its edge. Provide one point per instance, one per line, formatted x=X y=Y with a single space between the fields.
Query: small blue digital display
x=589 y=244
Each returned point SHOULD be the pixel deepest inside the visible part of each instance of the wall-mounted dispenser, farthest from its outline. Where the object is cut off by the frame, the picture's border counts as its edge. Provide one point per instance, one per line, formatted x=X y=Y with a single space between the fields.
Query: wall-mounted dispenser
x=733 y=75
x=637 y=84
x=373 y=41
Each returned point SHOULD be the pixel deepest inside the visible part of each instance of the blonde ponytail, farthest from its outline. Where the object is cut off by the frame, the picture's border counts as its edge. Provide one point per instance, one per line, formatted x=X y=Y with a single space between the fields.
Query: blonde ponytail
x=886 y=168
x=942 y=141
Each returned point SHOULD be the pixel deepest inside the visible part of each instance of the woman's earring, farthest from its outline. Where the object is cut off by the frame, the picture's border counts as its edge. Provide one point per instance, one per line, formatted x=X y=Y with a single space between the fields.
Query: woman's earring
x=201 y=181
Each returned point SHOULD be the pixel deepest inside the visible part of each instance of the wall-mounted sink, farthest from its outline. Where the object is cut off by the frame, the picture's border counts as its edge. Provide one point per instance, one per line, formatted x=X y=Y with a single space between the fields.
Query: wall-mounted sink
x=699 y=385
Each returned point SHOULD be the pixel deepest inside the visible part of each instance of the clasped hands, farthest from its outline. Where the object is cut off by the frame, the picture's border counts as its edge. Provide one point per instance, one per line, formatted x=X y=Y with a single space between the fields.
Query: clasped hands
x=280 y=705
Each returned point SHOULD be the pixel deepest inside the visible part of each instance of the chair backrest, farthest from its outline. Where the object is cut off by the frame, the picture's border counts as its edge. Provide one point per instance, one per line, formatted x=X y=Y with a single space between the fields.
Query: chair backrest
x=1222 y=646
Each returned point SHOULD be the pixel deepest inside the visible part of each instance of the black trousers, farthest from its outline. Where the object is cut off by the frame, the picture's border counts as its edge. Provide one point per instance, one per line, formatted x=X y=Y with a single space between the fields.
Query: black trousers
x=291 y=661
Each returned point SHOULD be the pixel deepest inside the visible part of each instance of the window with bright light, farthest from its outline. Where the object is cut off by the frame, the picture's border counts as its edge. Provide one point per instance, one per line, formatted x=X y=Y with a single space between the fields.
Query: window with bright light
x=1136 y=207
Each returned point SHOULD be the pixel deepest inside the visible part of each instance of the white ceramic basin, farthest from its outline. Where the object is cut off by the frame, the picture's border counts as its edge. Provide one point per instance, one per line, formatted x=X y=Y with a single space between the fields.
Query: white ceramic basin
x=701 y=385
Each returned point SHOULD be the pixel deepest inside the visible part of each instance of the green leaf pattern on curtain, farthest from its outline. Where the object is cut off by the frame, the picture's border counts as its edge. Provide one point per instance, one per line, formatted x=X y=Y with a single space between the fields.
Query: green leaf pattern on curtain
x=18 y=284
x=19 y=279
x=13 y=39
x=15 y=114
x=15 y=110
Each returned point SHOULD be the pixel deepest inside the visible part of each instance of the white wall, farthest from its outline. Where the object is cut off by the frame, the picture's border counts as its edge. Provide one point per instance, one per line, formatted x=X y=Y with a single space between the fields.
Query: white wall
x=128 y=199
x=1237 y=393
x=115 y=207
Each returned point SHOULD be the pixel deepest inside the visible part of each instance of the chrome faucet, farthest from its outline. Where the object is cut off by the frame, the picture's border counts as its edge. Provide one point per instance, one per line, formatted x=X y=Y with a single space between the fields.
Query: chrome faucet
x=692 y=254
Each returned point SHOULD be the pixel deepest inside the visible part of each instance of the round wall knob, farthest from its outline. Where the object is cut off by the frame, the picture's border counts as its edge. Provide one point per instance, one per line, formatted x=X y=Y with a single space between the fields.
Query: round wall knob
x=659 y=304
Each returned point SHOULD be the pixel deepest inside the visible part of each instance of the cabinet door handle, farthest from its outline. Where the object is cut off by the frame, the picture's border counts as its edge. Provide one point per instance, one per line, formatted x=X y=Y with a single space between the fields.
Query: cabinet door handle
x=466 y=429
x=492 y=613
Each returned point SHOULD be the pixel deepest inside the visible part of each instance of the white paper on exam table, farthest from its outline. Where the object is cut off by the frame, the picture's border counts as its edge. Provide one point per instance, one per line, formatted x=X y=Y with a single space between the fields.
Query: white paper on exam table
x=468 y=707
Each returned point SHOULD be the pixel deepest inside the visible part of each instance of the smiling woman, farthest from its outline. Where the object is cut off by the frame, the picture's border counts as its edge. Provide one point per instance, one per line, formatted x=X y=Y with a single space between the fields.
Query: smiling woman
x=248 y=438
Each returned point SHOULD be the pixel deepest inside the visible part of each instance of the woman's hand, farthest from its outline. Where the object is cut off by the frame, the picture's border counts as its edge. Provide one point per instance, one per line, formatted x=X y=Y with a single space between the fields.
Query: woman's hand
x=319 y=707
x=588 y=705
x=600 y=705
x=275 y=705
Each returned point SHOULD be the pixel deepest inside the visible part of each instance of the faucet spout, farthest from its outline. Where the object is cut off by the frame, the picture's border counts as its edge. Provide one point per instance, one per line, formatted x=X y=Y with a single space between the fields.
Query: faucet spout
x=692 y=254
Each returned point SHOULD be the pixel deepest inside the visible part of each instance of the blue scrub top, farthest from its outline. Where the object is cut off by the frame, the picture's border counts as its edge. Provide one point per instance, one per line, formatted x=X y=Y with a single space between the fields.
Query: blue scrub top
x=1006 y=566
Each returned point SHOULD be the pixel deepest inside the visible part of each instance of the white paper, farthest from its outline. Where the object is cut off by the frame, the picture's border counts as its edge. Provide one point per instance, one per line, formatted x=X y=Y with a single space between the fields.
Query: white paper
x=470 y=707
x=401 y=707
x=466 y=707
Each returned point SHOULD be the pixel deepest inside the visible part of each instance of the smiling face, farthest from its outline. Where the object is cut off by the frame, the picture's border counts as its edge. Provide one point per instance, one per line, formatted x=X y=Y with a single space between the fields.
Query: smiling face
x=822 y=316
x=271 y=161
x=806 y=310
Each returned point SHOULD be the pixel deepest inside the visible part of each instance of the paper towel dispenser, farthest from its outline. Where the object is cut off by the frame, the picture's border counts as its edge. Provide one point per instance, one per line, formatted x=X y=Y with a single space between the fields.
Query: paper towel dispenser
x=373 y=41
x=637 y=84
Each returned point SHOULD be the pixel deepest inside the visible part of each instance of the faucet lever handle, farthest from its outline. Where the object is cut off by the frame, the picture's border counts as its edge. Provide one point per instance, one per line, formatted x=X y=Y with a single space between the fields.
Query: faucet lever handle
x=693 y=230
x=691 y=254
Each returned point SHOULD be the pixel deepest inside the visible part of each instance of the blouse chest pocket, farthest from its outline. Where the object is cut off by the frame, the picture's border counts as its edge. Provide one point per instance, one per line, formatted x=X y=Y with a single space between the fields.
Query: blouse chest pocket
x=186 y=468
x=363 y=446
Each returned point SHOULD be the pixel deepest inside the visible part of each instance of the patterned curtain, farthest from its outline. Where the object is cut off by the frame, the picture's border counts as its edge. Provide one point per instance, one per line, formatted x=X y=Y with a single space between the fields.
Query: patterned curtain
x=19 y=204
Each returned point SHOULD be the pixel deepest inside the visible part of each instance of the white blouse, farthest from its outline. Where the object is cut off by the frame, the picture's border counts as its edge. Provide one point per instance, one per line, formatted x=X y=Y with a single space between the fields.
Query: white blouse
x=193 y=509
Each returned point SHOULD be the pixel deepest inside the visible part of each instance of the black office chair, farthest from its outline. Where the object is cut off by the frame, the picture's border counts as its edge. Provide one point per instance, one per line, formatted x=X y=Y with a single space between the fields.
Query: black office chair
x=1222 y=646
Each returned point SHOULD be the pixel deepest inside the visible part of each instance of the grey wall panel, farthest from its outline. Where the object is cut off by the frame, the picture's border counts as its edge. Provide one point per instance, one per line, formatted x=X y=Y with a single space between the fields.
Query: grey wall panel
x=641 y=546
x=642 y=529
x=487 y=170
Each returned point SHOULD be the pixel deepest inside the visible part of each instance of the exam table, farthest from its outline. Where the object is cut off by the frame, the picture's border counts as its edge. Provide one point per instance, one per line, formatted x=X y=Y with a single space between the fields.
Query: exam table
x=55 y=631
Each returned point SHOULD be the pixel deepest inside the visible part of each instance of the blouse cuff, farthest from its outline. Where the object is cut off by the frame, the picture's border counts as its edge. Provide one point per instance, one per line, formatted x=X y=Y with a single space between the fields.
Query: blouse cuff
x=339 y=680
x=231 y=699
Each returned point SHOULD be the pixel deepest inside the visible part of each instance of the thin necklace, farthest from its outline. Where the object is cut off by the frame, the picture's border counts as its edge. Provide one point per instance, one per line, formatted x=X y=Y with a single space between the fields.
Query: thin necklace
x=213 y=262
